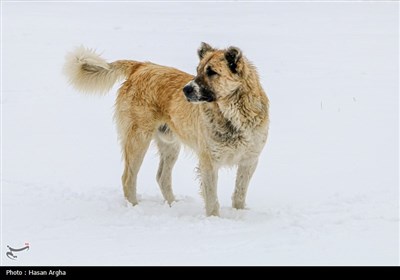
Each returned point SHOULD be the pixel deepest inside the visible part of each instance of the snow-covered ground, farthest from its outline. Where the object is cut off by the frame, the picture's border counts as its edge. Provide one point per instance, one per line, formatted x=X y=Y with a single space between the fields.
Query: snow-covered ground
x=326 y=189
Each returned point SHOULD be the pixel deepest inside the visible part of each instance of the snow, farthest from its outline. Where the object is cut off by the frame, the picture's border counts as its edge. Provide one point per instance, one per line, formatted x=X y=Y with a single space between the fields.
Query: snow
x=326 y=188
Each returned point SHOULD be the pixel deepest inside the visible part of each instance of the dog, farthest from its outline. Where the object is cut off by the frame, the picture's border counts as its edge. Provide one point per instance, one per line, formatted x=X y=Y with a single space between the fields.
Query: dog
x=222 y=114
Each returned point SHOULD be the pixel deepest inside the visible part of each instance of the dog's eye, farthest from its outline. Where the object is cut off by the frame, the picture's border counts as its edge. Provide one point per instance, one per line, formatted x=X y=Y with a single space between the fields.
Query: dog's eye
x=210 y=72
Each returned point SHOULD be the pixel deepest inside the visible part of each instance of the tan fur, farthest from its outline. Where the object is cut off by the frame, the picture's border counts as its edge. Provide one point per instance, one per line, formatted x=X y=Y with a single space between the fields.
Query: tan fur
x=230 y=131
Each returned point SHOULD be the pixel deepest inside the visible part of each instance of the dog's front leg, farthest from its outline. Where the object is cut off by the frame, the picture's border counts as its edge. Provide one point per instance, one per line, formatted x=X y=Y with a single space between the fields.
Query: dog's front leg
x=209 y=179
x=244 y=174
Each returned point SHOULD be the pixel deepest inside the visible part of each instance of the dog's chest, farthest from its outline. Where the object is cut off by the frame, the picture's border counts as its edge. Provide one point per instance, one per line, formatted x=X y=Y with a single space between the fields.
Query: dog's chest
x=230 y=145
x=228 y=153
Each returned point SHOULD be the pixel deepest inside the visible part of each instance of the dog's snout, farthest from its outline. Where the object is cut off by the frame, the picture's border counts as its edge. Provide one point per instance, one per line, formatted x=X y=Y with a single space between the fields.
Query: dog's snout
x=188 y=89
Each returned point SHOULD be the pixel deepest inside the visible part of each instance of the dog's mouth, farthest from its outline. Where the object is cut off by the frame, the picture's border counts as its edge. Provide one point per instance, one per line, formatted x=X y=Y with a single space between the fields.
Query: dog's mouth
x=196 y=94
x=206 y=95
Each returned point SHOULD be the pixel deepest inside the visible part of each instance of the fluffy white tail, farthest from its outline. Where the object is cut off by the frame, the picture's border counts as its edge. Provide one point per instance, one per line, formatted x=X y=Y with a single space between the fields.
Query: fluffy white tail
x=90 y=73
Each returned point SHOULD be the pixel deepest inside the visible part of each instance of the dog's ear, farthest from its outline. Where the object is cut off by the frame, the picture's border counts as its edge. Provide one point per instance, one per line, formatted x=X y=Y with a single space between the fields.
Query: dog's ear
x=233 y=56
x=203 y=49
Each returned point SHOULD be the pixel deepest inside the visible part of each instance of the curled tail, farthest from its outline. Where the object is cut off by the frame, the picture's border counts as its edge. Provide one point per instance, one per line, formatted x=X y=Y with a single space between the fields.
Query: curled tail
x=90 y=73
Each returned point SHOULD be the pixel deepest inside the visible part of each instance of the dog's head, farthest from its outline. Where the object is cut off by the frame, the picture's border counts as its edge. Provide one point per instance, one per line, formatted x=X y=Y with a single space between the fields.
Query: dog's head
x=219 y=74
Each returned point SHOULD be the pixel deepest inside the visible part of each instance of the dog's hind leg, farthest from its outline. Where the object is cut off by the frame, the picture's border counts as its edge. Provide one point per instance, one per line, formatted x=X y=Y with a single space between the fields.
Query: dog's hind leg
x=244 y=174
x=134 y=149
x=169 y=152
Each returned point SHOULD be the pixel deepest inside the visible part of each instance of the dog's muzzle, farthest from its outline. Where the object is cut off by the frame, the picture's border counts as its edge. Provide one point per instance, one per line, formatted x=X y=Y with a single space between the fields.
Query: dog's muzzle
x=194 y=93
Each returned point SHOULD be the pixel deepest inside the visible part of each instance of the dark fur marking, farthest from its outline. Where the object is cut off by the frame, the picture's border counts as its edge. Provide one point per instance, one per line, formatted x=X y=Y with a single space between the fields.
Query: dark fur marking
x=164 y=129
x=232 y=56
x=227 y=133
x=232 y=67
x=205 y=93
x=223 y=129
x=91 y=68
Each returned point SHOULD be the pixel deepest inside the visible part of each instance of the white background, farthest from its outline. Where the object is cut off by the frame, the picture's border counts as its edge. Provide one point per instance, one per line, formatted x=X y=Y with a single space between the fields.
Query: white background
x=326 y=189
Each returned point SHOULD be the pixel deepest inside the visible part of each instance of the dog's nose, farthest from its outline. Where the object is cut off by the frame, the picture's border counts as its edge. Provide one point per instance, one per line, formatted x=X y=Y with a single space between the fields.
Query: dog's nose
x=188 y=89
